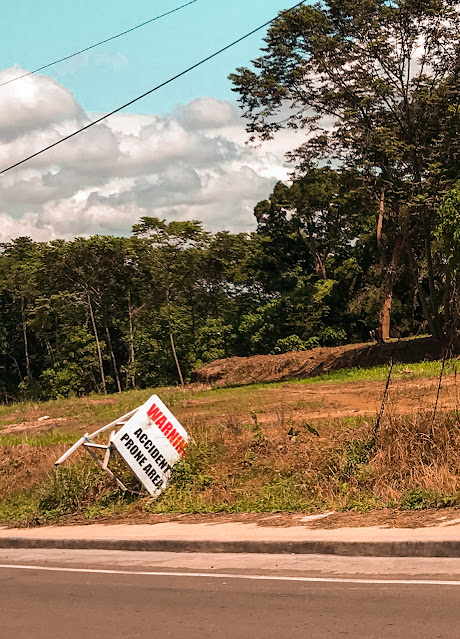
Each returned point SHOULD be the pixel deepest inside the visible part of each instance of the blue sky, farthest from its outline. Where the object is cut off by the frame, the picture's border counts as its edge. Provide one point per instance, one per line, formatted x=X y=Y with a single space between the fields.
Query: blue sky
x=35 y=33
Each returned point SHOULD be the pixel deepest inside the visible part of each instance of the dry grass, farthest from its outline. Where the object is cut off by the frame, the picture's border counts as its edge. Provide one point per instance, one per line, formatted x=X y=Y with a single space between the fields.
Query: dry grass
x=273 y=448
x=413 y=452
x=241 y=465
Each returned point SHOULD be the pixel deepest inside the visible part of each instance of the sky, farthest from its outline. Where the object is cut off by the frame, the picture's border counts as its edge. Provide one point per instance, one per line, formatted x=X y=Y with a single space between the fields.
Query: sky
x=178 y=154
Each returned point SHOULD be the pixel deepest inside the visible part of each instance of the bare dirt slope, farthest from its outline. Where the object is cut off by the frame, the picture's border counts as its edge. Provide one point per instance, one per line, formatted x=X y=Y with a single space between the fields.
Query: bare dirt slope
x=240 y=371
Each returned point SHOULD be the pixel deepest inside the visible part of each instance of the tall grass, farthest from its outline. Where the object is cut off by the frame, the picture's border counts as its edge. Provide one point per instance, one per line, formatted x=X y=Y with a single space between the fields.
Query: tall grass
x=239 y=462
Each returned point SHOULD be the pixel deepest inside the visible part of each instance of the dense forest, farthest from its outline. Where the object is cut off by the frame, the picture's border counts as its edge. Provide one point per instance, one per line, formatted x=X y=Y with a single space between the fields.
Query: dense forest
x=365 y=238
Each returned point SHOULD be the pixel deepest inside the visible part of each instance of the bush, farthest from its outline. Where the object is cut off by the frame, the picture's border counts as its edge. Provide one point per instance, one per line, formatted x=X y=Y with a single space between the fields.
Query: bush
x=333 y=336
x=419 y=499
x=68 y=489
x=356 y=457
x=290 y=344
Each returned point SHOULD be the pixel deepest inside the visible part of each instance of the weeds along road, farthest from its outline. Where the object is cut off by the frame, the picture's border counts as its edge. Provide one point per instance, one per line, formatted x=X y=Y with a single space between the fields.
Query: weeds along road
x=70 y=595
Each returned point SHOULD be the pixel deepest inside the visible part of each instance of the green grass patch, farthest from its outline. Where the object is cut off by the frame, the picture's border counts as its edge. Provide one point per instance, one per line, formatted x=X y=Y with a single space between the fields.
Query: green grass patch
x=420 y=499
x=51 y=438
x=19 y=509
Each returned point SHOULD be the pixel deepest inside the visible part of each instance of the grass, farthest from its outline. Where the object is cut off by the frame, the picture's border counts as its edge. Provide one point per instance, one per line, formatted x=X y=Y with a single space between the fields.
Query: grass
x=93 y=411
x=50 y=438
x=88 y=411
x=410 y=465
x=252 y=451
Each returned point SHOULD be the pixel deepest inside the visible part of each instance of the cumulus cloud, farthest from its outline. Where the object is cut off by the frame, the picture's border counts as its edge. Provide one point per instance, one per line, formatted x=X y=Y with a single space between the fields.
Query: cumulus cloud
x=192 y=163
x=32 y=104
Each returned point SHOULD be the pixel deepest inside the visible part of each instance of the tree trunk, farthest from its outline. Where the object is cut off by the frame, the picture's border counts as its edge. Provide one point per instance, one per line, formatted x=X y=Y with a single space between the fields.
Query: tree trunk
x=429 y=262
x=380 y=219
x=114 y=361
x=131 y=343
x=386 y=308
x=388 y=285
x=49 y=349
x=318 y=260
x=26 y=341
x=447 y=298
x=99 y=353
x=18 y=368
x=421 y=293
x=173 y=346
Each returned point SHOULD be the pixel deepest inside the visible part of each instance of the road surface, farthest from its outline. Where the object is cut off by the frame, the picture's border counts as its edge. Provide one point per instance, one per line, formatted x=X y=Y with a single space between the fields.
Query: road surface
x=92 y=595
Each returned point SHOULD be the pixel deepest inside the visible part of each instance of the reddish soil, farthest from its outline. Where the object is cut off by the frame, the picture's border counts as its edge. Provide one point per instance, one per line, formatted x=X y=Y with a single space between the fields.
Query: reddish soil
x=386 y=518
x=324 y=401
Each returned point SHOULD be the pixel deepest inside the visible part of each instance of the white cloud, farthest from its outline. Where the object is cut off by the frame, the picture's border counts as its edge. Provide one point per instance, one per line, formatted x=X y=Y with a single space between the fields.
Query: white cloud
x=33 y=103
x=190 y=164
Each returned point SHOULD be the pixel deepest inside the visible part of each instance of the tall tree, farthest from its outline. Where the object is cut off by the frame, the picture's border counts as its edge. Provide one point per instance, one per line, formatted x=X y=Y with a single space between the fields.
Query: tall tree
x=172 y=271
x=374 y=83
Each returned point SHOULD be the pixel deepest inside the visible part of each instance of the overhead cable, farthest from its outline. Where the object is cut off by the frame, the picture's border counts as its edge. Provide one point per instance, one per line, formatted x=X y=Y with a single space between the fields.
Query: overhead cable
x=97 y=44
x=159 y=86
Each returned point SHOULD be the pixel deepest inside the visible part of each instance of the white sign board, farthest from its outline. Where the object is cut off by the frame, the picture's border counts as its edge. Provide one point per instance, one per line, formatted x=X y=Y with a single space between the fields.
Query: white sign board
x=151 y=442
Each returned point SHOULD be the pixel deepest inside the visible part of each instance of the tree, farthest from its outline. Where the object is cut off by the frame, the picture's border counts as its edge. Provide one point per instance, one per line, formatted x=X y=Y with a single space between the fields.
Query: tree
x=171 y=245
x=448 y=234
x=374 y=83
x=314 y=211
x=19 y=264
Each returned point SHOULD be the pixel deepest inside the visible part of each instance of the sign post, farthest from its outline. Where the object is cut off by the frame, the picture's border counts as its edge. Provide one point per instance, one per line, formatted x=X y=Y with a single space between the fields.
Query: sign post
x=150 y=441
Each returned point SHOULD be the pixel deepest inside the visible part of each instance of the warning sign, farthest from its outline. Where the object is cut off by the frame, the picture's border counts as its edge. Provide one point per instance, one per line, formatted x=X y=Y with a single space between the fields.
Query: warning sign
x=151 y=442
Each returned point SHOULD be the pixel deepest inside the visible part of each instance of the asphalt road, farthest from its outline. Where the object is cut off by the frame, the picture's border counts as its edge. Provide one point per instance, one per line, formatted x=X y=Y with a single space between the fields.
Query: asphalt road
x=69 y=604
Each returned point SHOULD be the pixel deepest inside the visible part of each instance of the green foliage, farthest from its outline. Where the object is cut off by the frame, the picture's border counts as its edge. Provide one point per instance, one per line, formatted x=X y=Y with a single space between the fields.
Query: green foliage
x=394 y=141
x=75 y=365
x=419 y=499
x=291 y=344
x=448 y=228
x=333 y=336
x=356 y=457
x=214 y=340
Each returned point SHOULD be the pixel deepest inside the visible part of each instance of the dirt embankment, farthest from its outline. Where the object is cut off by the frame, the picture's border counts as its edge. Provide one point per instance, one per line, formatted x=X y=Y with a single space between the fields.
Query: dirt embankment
x=240 y=371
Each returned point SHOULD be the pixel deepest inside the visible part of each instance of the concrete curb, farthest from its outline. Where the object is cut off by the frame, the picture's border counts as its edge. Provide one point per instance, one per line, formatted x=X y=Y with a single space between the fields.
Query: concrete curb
x=449 y=548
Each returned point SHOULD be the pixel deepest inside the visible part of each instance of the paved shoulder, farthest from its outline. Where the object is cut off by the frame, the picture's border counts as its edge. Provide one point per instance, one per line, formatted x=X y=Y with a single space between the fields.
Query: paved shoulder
x=241 y=538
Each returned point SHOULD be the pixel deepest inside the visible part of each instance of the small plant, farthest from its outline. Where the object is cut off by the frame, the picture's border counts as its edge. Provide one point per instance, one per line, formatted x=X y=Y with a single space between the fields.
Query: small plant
x=69 y=489
x=258 y=437
x=356 y=455
x=419 y=499
x=363 y=502
x=291 y=344
x=233 y=423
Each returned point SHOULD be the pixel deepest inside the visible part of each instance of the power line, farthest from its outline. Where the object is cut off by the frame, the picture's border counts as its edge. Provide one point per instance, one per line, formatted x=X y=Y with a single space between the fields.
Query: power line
x=159 y=86
x=98 y=44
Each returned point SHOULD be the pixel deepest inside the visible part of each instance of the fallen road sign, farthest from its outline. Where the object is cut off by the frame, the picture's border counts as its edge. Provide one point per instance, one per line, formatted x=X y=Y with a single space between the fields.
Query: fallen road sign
x=150 y=443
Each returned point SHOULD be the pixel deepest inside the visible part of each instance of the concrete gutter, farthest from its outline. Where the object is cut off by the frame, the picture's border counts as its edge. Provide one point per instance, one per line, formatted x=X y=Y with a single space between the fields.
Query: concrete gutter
x=242 y=538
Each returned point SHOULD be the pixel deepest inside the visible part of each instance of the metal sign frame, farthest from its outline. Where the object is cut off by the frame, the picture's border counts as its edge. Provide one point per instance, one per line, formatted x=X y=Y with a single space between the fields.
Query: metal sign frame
x=149 y=439
x=89 y=445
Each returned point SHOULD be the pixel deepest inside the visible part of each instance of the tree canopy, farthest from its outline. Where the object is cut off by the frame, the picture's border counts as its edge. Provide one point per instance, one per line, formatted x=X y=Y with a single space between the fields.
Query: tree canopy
x=374 y=85
x=363 y=238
